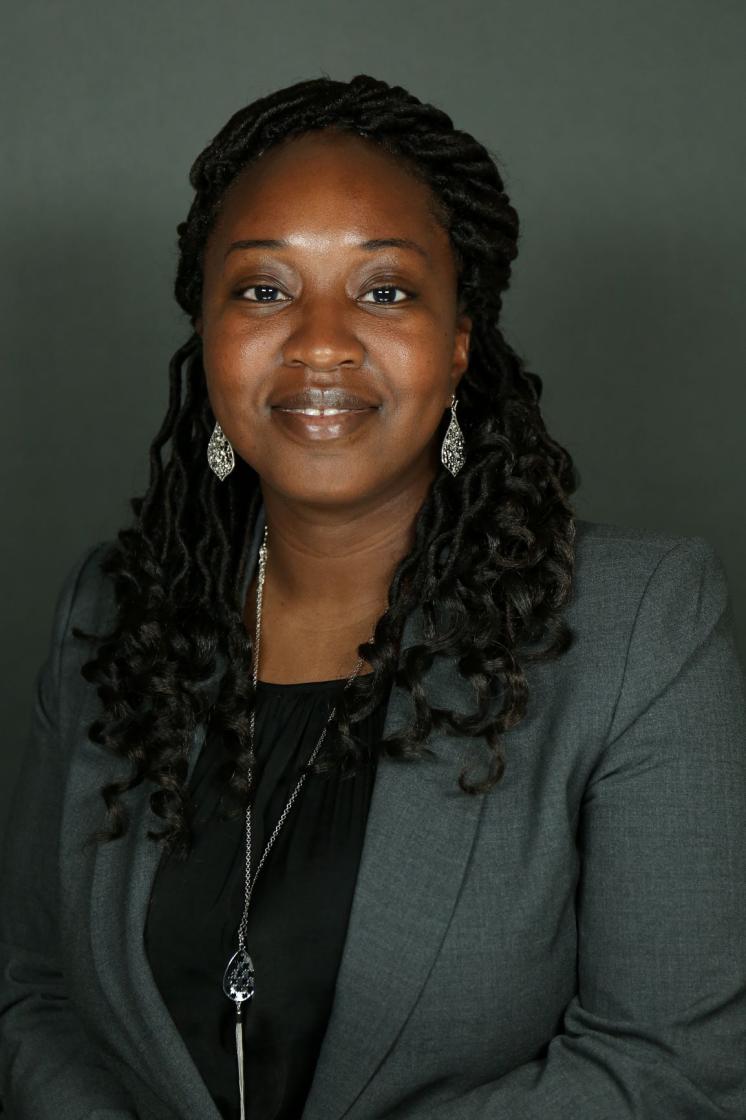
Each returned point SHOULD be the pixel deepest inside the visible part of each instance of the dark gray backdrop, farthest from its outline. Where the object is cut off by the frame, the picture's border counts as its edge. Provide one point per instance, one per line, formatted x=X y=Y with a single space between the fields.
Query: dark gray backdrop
x=618 y=125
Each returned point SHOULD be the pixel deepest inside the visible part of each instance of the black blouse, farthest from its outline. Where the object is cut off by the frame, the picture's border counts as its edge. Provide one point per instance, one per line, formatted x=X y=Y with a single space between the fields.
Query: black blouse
x=298 y=914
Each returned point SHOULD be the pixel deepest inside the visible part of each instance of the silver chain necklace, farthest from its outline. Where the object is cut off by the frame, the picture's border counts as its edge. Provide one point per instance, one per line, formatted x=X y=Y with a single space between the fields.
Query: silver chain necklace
x=238 y=979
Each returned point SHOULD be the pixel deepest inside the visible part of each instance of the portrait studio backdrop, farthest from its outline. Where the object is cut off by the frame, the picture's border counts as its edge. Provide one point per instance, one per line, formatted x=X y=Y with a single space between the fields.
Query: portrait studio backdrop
x=618 y=130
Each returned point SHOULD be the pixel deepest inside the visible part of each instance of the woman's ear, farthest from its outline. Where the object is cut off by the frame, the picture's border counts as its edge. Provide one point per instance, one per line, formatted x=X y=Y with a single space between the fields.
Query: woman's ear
x=461 y=349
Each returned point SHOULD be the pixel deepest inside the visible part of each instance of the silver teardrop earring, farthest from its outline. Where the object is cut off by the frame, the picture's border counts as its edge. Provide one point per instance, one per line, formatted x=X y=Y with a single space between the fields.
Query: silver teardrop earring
x=220 y=453
x=452 y=449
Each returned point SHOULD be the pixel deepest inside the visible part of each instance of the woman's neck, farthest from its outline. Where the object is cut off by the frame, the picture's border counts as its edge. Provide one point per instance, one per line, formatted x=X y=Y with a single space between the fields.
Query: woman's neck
x=326 y=585
x=339 y=562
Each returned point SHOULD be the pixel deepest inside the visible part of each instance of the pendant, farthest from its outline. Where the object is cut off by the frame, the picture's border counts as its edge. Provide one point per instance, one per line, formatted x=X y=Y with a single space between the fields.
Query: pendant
x=238 y=985
x=452 y=449
x=238 y=980
x=220 y=453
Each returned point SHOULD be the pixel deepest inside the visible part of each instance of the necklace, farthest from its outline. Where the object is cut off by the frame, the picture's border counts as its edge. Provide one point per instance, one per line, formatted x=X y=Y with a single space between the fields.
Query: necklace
x=238 y=979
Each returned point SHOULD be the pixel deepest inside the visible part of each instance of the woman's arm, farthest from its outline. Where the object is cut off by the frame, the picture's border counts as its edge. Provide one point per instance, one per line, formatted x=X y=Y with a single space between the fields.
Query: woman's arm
x=49 y=1067
x=657 y=1030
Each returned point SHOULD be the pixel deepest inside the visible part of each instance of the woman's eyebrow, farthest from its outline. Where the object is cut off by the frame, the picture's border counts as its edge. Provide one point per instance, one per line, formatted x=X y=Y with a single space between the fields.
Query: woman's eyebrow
x=370 y=246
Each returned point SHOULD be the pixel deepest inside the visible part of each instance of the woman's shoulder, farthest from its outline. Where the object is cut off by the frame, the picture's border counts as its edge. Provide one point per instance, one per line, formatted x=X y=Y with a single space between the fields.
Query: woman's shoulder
x=85 y=600
x=625 y=540
x=656 y=577
x=604 y=548
x=87 y=586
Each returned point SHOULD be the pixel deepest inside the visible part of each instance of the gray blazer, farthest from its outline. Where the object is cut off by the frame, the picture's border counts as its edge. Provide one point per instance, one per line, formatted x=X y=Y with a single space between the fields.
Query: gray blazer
x=569 y=946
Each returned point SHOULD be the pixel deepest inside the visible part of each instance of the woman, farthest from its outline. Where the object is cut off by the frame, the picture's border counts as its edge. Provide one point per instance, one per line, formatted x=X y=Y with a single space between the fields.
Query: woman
x=364 y=779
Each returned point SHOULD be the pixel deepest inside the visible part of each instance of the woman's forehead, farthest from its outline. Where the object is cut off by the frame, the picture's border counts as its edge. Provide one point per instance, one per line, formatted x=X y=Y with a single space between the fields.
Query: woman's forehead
x=328 y=181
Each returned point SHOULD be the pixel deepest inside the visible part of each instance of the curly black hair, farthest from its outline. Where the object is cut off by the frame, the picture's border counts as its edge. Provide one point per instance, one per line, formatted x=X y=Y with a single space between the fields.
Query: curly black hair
x=493 y=558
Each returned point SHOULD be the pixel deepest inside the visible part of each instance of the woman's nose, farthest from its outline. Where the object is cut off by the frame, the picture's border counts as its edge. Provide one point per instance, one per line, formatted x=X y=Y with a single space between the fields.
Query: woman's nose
x=323 y=337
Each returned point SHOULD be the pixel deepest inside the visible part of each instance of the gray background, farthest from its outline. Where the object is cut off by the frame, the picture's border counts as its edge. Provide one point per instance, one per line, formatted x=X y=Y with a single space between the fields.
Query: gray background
x=618 y=127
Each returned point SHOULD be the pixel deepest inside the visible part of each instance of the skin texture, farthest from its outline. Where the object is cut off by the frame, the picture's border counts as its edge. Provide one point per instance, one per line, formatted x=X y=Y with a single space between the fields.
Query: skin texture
x=329 y=313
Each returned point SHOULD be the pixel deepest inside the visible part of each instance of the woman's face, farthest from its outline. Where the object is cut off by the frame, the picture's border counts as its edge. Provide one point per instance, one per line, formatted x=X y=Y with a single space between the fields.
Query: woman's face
x=321 y=315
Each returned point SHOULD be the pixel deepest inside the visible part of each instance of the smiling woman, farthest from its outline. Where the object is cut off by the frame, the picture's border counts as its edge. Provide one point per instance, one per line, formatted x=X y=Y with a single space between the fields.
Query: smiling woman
x=365 y=779
x=323 y=309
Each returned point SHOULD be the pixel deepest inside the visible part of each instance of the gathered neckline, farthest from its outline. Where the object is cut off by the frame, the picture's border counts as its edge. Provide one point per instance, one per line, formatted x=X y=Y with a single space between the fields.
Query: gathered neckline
x=299 y=686
x=274 y=686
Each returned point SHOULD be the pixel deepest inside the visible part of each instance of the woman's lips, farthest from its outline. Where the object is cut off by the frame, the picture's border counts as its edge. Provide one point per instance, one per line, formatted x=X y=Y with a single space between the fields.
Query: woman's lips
x=327 y=423
x=320 y=411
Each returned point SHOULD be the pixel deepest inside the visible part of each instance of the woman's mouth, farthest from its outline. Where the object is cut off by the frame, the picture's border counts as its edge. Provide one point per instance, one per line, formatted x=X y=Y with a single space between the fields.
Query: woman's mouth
x=321 y=411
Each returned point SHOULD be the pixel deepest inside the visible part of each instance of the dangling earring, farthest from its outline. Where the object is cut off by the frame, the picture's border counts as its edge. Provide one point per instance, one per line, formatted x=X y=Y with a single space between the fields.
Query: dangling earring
x=220 y=453
x=452 y=449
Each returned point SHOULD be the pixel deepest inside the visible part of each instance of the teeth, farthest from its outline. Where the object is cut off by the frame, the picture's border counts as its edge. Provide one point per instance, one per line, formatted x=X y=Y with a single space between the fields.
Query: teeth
x=319 y=411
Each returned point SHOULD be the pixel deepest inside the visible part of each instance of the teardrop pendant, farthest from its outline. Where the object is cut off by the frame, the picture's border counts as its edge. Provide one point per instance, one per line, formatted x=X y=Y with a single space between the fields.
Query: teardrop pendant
x=238 y=979
x=220 y=453
x=238 y=985
x=452 y=449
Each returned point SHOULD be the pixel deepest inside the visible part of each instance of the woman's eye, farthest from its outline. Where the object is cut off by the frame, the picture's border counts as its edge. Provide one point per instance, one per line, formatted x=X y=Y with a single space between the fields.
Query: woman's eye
x=269 y=293
x=264 y=293
x=387 y=290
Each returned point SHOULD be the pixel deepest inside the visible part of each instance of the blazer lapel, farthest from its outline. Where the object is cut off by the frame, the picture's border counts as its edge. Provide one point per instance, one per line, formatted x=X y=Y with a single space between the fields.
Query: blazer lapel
x=122 y=882
x=419 y=835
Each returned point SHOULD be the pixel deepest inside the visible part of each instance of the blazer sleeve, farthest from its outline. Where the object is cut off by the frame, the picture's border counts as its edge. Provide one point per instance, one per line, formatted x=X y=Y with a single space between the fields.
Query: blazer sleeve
x=657 y=1027
x=49 y=1067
